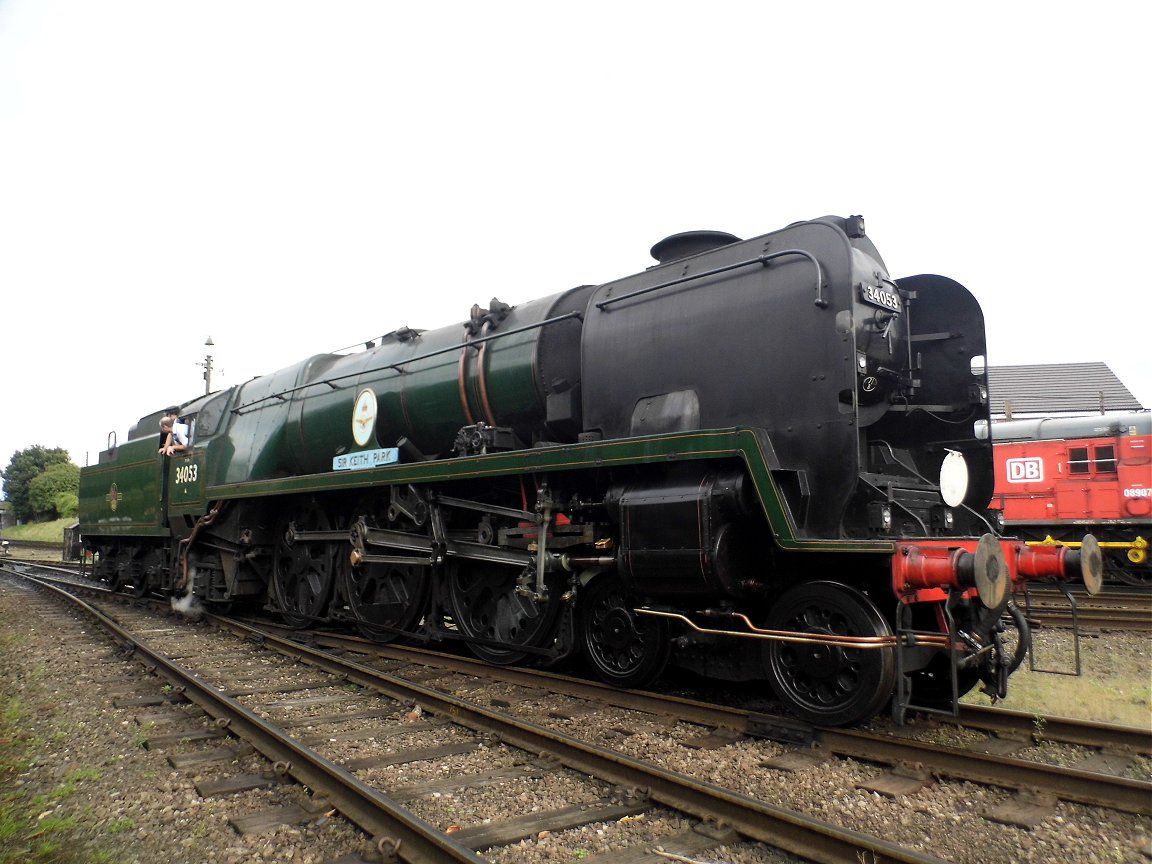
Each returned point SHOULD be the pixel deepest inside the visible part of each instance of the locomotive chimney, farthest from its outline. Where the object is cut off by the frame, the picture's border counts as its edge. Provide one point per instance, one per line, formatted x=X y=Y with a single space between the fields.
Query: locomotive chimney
x=690 y=243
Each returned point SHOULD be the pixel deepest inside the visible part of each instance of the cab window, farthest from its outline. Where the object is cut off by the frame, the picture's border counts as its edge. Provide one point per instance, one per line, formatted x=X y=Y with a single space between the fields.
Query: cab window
x=1105 y=459
x=1077 y=460
x=209 y=417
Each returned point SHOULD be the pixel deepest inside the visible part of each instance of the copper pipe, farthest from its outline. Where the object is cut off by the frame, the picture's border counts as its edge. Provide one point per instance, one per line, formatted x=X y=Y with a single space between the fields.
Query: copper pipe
x=800 y=638
x=482 y=375
x=186 y=542
x=461 y=380
x=940 y=639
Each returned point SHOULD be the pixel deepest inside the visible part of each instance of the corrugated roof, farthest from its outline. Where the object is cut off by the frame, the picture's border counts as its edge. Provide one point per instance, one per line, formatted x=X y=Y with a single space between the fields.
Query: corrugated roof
x=1052 y=389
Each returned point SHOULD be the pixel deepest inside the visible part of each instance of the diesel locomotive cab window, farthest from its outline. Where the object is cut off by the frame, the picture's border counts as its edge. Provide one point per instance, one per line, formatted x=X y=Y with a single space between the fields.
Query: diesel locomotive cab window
x=1077 y=460
x=1105 y=459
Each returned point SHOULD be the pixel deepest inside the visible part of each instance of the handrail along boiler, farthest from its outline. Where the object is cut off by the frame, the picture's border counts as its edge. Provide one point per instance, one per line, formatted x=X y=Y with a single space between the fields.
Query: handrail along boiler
x=754 y=459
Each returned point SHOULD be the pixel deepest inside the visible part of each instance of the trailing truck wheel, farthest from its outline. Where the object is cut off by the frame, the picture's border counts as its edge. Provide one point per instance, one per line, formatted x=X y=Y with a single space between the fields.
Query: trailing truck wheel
x=485 y=604
x=623 y=648
x=826 y=684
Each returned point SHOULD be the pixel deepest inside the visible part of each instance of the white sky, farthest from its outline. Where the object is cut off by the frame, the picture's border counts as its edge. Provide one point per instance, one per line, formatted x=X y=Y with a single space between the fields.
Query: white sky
x=290 y=178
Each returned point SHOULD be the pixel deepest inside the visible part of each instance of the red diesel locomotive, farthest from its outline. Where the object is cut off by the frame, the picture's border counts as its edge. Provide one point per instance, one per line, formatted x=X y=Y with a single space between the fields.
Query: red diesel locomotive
x=1058 y=477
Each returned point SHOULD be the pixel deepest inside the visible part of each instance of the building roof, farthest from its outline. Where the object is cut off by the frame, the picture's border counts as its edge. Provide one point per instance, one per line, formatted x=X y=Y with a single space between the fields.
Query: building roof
x=1054 y=389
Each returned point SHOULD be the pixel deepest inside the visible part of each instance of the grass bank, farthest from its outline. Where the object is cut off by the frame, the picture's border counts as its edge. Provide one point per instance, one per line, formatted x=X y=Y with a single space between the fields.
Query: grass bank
x=1115 y=685
x=38 y=532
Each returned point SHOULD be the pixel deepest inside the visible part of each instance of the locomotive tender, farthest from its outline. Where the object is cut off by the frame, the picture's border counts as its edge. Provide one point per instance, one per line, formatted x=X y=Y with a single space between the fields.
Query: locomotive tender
x=755 y=459
x=1057 y=477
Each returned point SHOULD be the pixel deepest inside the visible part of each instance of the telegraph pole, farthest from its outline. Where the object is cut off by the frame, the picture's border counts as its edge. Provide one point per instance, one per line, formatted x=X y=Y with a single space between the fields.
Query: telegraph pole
x=207 y=364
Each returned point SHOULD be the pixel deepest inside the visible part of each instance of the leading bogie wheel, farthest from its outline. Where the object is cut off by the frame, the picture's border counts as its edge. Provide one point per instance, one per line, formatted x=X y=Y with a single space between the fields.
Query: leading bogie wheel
x=827 y=684
x=932 y=685
x=622 y=647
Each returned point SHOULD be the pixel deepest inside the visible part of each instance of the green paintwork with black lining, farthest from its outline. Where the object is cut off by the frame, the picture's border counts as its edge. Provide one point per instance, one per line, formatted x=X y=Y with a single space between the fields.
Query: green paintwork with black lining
x=743 y=444
x=427 y=386
x=124 y=495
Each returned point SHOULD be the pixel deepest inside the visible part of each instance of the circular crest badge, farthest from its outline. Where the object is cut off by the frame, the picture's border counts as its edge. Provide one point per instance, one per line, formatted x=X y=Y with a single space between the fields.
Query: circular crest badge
x=364 y=417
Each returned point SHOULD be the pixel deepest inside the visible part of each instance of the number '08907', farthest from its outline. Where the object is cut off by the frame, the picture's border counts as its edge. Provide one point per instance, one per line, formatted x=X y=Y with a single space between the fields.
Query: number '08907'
x=186 y=473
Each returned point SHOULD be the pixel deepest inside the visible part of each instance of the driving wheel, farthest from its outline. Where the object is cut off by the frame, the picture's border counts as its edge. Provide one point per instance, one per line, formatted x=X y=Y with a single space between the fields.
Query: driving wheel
x=623 y=648
x=303 y=574
x=385 y=597
x=485 y=604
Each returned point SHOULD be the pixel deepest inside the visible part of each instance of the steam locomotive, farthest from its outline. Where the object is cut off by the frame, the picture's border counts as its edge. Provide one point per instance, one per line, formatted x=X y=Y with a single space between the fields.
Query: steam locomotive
x=754 y=459
x=1057 y=477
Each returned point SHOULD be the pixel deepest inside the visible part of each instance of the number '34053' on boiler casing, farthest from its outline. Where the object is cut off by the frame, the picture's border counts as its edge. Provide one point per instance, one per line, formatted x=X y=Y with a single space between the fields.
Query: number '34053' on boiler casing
x=755 y=459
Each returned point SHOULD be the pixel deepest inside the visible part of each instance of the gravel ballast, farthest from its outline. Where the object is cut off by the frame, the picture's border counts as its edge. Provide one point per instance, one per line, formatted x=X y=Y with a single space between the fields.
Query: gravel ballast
x=86 y=769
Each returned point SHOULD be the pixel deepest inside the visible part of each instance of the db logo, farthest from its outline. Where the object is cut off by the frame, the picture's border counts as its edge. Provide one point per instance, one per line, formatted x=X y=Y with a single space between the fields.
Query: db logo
x=1025 y=470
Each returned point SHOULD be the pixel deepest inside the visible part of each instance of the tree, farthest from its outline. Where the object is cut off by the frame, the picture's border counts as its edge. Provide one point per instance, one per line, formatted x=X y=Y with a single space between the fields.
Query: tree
x=67 y=504
x=26 y=466
x=57 y=480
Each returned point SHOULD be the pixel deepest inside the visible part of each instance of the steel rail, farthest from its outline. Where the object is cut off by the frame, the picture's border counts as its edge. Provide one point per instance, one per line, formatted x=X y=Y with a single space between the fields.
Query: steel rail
x=1097 y=619
x=1086 y=733
x=420 y=843
x=1068 y=784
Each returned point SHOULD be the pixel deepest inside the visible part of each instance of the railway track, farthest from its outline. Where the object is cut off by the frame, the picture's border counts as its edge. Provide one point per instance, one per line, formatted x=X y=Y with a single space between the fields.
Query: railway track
x=986 y=758
x=519 y=717
x=994 y=721
x=1112 y=609
x=403 y=832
